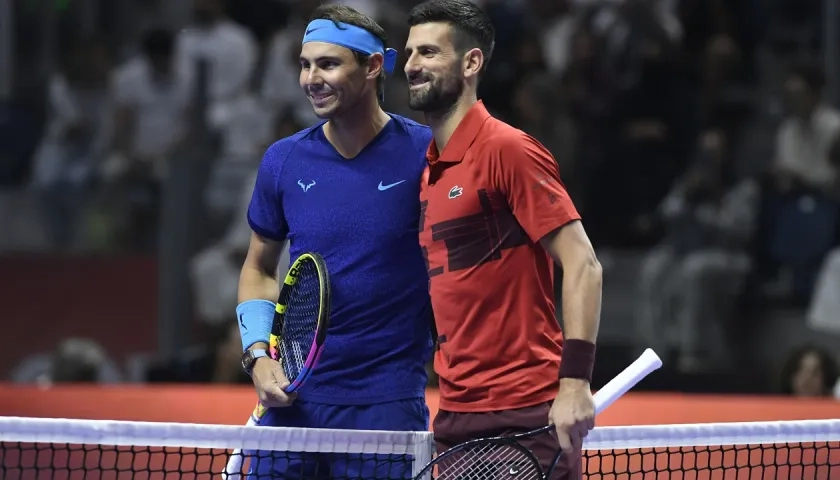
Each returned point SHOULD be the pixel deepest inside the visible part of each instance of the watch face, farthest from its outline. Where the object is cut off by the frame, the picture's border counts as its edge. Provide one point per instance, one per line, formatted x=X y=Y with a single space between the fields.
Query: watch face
x=247 y=359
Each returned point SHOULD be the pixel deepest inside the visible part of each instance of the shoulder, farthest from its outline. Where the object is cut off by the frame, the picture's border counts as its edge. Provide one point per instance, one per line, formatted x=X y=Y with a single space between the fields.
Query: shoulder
x=277 y=155
x=411 y=125
x=419 y=133
x=505 y=142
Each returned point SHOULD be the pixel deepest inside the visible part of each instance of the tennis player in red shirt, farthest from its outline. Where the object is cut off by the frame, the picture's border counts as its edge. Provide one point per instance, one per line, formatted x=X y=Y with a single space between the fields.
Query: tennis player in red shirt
x=495 y=217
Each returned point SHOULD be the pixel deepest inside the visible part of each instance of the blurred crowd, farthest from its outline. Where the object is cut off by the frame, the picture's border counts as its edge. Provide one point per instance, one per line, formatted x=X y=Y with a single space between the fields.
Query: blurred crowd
x=703 y=133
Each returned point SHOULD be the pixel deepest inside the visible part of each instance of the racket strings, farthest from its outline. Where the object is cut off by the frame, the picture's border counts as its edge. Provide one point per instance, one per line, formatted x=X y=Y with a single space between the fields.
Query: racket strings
x=301 y=320
x=489 y=462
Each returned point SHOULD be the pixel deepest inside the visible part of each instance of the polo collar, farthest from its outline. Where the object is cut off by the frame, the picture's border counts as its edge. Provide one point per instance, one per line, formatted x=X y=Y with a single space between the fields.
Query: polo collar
x=462 y=138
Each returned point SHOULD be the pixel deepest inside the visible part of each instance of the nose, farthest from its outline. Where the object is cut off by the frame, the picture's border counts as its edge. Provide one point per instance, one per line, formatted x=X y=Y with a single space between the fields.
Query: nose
x=411 y=65
x=312 y=76
x=312 y=82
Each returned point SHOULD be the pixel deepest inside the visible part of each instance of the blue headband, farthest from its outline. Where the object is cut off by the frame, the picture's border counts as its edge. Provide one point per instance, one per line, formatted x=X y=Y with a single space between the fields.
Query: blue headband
x=349 y=36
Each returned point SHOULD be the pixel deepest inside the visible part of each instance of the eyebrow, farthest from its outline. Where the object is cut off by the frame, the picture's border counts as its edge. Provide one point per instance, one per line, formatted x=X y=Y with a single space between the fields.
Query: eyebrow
x=425 y=45
x=321 y=59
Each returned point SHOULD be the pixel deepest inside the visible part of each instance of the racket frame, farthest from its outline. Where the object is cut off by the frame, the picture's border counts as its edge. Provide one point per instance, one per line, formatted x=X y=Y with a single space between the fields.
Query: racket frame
x=511 y=441
x=234 y=465
x=647 y=363
x=321 y=325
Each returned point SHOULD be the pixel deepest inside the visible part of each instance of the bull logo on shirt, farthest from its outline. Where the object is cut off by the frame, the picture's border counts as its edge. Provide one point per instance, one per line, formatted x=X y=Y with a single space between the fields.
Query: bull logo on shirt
x=306 y=186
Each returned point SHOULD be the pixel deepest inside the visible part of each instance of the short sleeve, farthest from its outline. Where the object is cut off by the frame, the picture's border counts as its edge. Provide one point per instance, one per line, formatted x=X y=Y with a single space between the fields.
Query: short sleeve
x=265 y=212
x=529 y=177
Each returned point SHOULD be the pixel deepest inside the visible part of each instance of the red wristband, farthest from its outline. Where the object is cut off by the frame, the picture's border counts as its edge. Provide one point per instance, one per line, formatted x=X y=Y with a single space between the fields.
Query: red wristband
x=578 y=359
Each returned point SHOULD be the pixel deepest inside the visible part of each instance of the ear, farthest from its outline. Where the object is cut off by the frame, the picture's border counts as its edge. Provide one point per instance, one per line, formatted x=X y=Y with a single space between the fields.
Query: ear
x=473 y=62
x=375 y=64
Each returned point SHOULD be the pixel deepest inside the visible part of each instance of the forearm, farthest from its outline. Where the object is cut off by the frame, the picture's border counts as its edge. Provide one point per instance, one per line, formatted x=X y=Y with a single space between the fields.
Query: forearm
x=258 y=291
x=257 y=283
x=582 y=300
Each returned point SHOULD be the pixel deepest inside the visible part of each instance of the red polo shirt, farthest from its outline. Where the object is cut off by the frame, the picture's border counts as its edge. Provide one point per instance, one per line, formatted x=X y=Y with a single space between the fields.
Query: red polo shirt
x=486 y=201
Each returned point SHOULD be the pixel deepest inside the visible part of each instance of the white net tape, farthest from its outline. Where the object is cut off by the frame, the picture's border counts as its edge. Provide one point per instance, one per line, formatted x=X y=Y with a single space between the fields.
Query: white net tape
x=121 y=433
x=222 y=437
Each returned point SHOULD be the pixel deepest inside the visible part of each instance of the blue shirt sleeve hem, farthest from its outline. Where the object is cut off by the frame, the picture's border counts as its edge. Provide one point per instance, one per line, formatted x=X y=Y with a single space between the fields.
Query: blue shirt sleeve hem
x=265 y=233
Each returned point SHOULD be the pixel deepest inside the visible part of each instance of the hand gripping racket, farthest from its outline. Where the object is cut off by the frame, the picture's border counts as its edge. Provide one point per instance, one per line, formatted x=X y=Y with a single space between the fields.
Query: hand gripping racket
x=500 y=458
x=301 y=319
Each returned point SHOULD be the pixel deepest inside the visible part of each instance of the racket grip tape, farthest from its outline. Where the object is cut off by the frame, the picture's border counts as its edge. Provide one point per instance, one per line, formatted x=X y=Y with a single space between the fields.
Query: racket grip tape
x=233 y=469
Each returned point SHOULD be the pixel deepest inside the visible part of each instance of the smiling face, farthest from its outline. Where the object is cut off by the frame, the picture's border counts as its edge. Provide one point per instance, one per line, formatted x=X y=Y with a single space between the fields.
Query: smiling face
x=434 y=69
x=332 y=78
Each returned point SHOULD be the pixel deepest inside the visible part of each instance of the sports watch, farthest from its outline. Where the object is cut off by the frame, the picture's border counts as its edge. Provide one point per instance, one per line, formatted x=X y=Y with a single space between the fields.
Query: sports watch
x=249 y=358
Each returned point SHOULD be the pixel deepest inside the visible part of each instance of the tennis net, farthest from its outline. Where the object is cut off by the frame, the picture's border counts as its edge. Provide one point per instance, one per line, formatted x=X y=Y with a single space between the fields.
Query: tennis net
x=35 y=449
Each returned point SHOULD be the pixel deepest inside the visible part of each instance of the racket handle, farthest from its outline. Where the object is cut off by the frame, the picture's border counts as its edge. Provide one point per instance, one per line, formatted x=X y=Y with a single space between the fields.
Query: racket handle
x=627 y=379
x=233 y=469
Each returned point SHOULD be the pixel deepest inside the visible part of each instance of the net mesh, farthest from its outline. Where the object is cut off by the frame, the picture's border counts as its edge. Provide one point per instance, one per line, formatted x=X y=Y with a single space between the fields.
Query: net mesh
x=84 y=449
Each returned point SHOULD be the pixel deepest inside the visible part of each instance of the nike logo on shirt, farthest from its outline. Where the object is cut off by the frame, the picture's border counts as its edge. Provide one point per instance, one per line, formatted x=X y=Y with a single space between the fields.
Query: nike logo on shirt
x=382 y=188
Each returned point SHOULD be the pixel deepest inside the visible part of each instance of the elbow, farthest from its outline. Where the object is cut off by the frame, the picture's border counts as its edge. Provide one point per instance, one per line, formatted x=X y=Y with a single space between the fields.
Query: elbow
x=588 y=272
x=594 y=272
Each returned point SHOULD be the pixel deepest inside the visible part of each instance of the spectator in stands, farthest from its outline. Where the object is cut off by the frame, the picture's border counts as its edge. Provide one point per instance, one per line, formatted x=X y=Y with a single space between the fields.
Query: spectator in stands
x=825 y=303
x=215 y=270
x=708 y=22
x=809 y=372
x=688 y=282
x=74 y=360
x=279 y=85
x=231 y=54
x=152 y=94
x=801 y=204
x=76 y=139
x=546 y=117
x=78 y=360
x=560 y=23
x=234 y=112
x=497 y=83
x=217 y=361
x=585 y=89
x=639 y=48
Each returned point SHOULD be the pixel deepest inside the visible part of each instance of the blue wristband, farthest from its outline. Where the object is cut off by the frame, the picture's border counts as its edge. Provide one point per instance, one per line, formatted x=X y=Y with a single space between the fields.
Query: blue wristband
x=255 y=318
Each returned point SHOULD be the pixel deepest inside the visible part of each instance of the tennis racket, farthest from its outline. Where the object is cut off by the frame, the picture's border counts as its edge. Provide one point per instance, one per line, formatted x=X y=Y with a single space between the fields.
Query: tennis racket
x=499 y=458
x=301 y=319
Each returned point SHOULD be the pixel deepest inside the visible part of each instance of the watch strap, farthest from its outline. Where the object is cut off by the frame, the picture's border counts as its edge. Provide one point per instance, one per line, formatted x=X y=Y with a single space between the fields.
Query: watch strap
x=251 y=357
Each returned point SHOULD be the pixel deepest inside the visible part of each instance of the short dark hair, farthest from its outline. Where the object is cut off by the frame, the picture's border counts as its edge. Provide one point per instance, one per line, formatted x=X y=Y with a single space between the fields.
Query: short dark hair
x=350 y=16
x=827 y=364
x=158 y=42
x=473 y=28
x=812 y=73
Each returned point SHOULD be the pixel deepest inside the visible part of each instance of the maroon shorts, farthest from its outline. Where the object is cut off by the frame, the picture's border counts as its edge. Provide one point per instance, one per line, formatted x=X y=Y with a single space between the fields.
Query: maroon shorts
x=453 y=428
